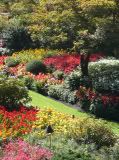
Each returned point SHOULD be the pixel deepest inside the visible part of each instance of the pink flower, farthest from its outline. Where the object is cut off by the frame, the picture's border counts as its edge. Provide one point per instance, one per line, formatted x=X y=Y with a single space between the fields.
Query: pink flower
x=21 y=150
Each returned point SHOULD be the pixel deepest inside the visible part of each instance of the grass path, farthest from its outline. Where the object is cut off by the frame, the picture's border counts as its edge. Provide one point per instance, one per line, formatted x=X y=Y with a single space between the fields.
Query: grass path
x=42 y=101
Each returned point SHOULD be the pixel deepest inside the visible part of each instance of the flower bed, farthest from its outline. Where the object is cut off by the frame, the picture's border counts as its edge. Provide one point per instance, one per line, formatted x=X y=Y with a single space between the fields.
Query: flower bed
x=2 y=59
x=16 y=123
x=83 y=129
x=67 y=63
x=21 y=150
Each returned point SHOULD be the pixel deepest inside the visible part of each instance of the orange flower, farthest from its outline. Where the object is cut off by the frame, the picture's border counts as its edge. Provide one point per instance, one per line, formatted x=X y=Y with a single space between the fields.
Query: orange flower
x=0 y=133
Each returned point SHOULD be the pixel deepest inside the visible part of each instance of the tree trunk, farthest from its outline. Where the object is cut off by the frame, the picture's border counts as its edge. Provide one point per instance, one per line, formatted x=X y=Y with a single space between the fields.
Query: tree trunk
x=84 y=64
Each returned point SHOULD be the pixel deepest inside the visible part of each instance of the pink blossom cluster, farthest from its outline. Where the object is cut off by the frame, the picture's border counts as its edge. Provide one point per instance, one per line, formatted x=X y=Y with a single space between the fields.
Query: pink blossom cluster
x=21 y=150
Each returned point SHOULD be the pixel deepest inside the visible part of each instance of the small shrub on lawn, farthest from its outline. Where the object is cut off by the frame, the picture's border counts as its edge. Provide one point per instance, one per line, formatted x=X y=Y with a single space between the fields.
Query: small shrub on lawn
x=35 y=66
x=12 y=93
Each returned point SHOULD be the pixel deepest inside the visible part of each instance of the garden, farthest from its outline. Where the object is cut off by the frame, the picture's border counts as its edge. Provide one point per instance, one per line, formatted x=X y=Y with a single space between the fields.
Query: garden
x=59 y=80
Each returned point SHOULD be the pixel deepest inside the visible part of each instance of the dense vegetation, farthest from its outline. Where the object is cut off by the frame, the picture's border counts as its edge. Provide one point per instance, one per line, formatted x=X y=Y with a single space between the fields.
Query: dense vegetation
x=67 y=50
x=61 y=24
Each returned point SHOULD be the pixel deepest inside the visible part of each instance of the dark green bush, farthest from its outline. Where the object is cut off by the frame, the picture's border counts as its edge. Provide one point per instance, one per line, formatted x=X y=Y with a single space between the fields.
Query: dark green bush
x=17 y=36
x=35 y=66
x=10 y=62
x=40 y=87
x=108 y=110
x=72 y=81
x=13 y=93
x=28 y=81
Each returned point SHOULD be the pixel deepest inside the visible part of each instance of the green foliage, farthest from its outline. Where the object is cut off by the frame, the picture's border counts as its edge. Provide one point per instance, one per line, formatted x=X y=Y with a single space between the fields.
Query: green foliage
x=108 y=39
x=12 y=93
x=58 y=23
x=27 y=55
x=40 y=87
x=53 y=91
x=68 y=149
x=67 y=91
x=10 y=62
x=3 y=23
x=28 y=81
x=62 y=93
x=58 y=74
x=72 y=81
x=109 y=110
x=35 y=66
x=105 y=75
x=71 y=151
x=99 y=134
x=17 y=36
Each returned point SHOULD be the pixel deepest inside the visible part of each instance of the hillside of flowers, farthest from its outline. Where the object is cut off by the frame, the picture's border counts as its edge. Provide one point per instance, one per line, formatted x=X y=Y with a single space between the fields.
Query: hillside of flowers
x=67 y=53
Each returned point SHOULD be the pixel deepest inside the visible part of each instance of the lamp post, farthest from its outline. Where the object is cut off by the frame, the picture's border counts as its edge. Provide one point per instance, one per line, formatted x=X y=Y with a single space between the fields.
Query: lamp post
x=49 y=131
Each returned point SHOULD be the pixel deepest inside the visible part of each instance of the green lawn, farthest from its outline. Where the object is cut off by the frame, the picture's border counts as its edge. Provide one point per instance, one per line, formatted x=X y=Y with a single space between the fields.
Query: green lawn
x=42 y=101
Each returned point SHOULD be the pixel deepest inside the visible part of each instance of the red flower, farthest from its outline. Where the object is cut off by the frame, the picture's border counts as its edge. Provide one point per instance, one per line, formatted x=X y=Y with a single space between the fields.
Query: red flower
x=68 y=63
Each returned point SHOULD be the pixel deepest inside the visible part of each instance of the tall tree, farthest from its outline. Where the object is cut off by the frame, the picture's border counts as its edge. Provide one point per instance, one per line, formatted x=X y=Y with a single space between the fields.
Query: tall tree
x=56 y=23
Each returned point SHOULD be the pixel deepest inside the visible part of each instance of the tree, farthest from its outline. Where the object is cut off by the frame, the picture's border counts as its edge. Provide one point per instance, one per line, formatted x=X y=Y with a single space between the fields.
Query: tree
x=105 y=16
x=56 y=23
x=17 y=36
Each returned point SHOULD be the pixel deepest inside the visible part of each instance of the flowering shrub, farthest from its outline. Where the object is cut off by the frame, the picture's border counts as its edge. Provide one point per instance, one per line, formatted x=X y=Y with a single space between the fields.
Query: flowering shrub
x=105 y=106
x=21 y=150
x=16 y=123
x=101 y=105
x=67 y=63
